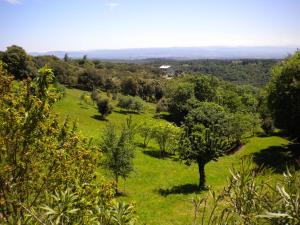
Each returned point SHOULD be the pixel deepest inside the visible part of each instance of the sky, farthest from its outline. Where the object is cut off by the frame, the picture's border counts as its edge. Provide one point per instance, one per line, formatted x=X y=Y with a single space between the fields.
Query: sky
x=66 y=25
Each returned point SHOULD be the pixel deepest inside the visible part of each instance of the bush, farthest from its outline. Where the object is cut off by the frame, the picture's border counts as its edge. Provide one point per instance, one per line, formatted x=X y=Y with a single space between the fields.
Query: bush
x=131 y=103
x=41 y=156
x=166 y=136
x=162 y=105
x=283 y=95
x=248 y=199
x=147 y=133
x=104 y=107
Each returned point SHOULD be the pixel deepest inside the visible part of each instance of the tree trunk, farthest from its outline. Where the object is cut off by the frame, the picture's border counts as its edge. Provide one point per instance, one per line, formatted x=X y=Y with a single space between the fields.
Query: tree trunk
x=202 y=178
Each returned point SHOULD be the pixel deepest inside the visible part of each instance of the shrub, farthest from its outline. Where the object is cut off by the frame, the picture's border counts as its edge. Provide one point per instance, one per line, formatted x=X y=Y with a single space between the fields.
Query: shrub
x=104 y=107
x=39 y=155
x=147 y=133
x=131 y=103
x=250 y=200
x=166 y=136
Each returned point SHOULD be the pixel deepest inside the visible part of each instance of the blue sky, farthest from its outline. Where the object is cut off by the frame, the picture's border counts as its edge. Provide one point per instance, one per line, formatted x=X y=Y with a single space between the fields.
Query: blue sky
x=44 y=25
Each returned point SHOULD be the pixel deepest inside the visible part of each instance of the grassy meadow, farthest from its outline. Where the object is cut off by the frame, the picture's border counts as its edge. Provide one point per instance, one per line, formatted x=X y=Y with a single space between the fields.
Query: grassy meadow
x=162 y=188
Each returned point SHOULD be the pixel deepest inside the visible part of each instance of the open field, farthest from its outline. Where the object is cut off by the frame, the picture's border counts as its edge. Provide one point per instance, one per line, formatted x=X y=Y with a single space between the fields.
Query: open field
x=162 y=188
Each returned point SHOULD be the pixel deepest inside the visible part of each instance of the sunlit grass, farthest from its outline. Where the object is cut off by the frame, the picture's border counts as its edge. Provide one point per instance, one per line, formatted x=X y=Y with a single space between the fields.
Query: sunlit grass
x=150 y=184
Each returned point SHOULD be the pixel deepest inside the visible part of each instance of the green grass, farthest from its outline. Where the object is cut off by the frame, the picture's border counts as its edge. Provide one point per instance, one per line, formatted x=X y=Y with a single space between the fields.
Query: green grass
x=161 y=188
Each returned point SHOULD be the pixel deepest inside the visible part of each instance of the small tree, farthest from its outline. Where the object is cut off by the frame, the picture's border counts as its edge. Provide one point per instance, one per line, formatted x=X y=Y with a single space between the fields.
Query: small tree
x=119 y=152
x=147 y=133
x=94 y=96
x=283 y=95
x=66 y=57
x=131 y=103
x=166 y=137
x=137 y=104
x=104 y=107
x=204 y=138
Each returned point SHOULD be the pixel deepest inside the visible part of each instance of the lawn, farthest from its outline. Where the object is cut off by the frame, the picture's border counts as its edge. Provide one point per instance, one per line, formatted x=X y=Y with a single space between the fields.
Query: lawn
x=162 y=188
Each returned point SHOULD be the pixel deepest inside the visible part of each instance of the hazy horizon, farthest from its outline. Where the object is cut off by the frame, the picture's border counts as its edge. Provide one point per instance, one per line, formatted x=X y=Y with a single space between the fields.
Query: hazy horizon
x=42 y=26
x=169 y=47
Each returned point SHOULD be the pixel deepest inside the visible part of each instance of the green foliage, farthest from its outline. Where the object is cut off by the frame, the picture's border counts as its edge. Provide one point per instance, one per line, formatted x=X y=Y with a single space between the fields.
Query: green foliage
x=206 y=88
x=245 y=71
x=162 y=105
x=86 y=99
x=152 y=173
x=119 y=152
x=18 y=62
x=284 y=95
x=187 y=92
x=66 y=207
x=249 y=200
x=94 y=95
x=61 y=208
x=201 y=145
x=66 y=57
x=123 y=214
x=208 y=133
x=147 y=133
x=178 y=94
x=104 y=107
x=166 y=136
x=89 y=78
x=63 y=71
x=131 y=103
x=267 y=123
x=129 y=86
x=38 y=155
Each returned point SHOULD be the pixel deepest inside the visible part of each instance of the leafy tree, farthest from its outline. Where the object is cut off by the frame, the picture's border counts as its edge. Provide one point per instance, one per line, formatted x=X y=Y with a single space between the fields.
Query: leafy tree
x=64 y=72
x=66 y=57
x=131 y=127
x=166 y=136
x=131 y=103
x=89 y=78
x=119 y=152
x=284 y=95
x=138 y=104
x=129 y=86
x=162 y=105
x=104 y=107
x=38 y=155
x=267 y=123
x=178 y=94
x=231 y=100
x=147 y=133
x=203 y=138
x=205 y=88
x=94 y=95
x=18 y=62
x=1 y=55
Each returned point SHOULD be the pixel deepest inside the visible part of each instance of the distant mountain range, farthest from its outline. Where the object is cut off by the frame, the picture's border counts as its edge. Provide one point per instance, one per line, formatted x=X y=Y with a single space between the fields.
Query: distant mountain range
x=180 y=53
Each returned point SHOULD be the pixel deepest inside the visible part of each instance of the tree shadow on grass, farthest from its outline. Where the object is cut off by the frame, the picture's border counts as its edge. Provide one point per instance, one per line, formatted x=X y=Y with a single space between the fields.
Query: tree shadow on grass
x=141 y=145
x=278 y=158
x=98 y=117
x=121 y=194
x=126 y=112
x=83 y=106
x=180 y=189
x=157 y=154
x=166 y=117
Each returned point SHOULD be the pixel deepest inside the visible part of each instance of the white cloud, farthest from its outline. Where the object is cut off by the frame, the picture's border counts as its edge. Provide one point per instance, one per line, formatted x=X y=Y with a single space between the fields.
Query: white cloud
x=112 y=5
x=13 y=2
